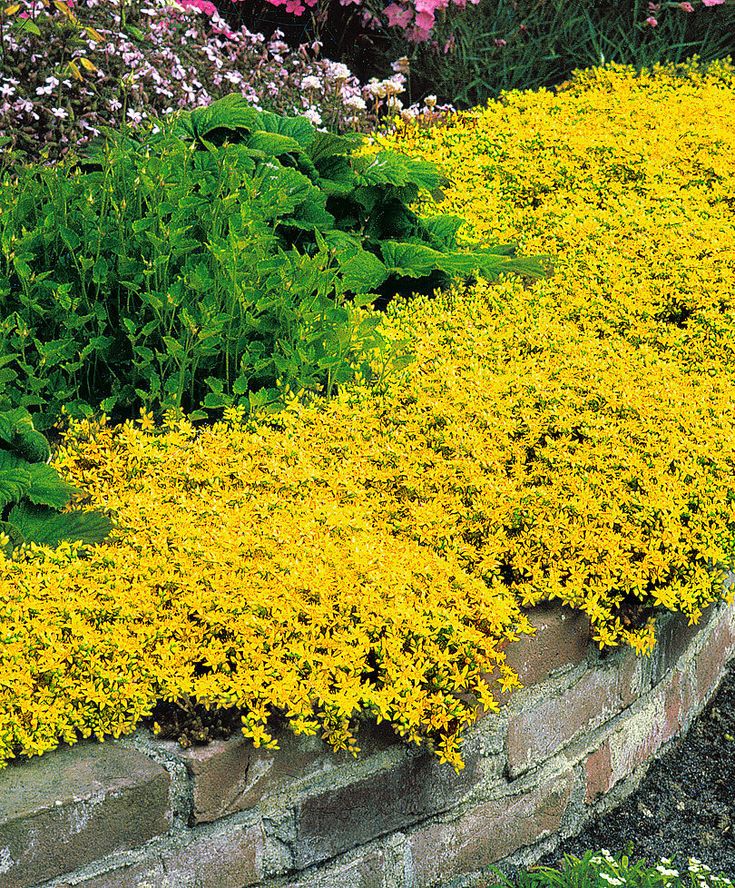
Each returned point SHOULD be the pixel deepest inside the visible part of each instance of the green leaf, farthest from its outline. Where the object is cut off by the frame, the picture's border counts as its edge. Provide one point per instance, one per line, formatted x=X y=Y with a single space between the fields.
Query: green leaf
x=15 y=538
x=363 y=272
x=301 y=129
x=100 y=270
x=441 y=231
x=273 y=144
x=48 y=488
x=391 y=168
x=410 y=260
x=39 y=524
x=229 y=114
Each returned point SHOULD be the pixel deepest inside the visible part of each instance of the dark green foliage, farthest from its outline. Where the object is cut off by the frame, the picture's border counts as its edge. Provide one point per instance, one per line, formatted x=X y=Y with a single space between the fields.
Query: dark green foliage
x=228 y=257
x=32 y=494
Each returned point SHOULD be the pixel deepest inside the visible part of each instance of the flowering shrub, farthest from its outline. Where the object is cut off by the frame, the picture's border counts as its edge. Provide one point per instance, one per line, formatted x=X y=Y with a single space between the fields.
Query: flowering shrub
x=571 y=441
x=66 y=71
x=415 y=18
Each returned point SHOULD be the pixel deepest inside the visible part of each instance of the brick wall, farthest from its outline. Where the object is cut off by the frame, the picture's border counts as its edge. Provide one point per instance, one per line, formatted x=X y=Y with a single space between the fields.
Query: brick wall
x=139 y=813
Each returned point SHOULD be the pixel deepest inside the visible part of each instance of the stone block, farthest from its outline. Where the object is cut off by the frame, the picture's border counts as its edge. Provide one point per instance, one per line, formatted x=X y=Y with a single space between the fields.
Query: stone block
x=561 y=639
x=366 y=871
x=488 y=832
x=413 y=789
x=126 y=876
x=231 y=858
x=718 y=650
x=544 y=725
x=638 y=737
x=76 y=805
x=231 y=775
x=674 y=634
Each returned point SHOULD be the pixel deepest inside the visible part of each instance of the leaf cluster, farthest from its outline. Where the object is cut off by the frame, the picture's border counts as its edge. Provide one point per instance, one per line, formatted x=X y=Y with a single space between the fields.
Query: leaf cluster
x=33 y=495
x=228 y=257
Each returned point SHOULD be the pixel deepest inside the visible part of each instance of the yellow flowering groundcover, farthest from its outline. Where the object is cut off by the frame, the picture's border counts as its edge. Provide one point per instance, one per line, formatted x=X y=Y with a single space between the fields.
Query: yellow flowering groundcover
x=573 y=439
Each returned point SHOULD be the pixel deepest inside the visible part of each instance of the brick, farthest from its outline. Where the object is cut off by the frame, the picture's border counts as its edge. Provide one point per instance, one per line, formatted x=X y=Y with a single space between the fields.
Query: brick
x=718 y=650
x=366 y=871
x=639 y=737
x=673 y=637
x=542 y=727
x=231 y=775
x=231 y=858
x=561 y=639
x=76 y=805
x=488 y=833
x=127 y=876
x=599 y=772
x=415 y=788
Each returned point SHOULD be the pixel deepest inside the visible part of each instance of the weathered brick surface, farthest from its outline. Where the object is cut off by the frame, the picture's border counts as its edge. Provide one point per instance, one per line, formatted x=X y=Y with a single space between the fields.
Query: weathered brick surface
x=718 y=650
x=561 y=639
x=640 y=736
x=77 y=805
x=229 y=859
x=366 y=871
x=540 y=728
x=599 y=772
x=127 y=876
x=488 y=832
x=231 y=775
x=415 y=788
x=673 y=637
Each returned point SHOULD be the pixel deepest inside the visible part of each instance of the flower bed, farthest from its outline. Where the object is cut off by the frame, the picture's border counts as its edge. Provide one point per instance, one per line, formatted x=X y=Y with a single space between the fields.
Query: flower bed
x=369 y=556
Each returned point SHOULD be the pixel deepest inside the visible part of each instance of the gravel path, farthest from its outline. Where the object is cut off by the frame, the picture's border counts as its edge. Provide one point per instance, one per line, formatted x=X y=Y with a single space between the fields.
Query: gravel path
x=685 y=807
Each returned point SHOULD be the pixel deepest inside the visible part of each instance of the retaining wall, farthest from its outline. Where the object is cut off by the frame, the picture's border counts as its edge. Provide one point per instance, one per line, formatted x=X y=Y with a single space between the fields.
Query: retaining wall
x=140 y=812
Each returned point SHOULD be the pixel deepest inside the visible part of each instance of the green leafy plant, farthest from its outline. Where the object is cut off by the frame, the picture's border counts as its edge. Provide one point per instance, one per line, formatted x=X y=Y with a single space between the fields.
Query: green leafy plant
x=33 y=495
x=229 y=257
x=602 y=869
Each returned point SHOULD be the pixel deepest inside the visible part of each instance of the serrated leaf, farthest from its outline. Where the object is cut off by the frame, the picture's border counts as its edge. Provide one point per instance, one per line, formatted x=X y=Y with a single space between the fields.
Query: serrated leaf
x=229 y=114
x=273 y=144
x=39 y=524
x=363 y=272
x=410 y=260
x=48 y=488
x=15 y=479
x=441 y=231
x=391 y=168
x=28 y=442
x=15 y=538
x=301 y=129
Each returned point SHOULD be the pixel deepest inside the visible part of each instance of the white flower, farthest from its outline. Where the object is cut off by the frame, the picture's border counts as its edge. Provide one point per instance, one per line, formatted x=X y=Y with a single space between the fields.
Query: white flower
x=430 y=102
x=311 y=82
x=338 y=71
x=666 y=872
x=60 y=113
x=313 y=115
x=611 y=880
x=356 y=102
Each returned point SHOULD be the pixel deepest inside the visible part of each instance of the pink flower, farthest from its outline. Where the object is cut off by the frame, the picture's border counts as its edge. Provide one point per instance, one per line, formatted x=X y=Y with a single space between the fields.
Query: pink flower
x=686 y=7
x=712 y=2
x=651 y=21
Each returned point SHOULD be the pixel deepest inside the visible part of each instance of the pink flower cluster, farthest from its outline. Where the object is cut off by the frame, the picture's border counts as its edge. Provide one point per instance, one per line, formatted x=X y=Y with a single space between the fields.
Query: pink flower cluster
x=416 y=18
x=655 y=8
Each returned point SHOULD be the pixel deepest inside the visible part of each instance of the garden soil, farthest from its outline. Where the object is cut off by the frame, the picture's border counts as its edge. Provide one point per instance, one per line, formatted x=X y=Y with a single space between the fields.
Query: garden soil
x=685 y=806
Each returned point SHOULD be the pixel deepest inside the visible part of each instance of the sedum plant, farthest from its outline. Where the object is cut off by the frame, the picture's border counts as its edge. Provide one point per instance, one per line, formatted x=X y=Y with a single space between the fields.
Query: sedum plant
x=32 y=493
